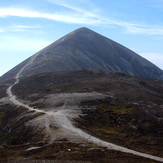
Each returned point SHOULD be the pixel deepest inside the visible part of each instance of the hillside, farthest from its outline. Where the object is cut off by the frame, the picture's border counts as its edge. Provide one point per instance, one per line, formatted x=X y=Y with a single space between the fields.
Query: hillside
x=112 y=106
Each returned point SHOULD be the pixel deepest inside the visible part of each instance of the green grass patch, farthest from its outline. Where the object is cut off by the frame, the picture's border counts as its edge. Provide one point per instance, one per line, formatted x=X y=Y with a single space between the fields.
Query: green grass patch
x=116 y=109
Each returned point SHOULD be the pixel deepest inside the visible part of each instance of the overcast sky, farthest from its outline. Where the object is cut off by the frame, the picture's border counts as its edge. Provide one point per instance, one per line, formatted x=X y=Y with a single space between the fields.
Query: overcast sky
x=27 y=26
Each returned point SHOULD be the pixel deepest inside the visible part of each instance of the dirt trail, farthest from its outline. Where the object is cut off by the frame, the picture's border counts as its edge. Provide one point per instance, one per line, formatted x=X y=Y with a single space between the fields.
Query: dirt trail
x=62 y=119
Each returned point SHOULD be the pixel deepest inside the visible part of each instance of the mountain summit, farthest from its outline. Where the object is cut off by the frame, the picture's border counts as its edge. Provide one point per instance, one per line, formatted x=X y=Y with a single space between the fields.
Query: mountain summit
x=86 y=49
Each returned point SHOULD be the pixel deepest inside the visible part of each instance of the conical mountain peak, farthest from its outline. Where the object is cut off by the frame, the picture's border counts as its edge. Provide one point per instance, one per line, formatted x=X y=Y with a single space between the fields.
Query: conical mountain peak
x=86 y=49
x=81 y=33
x=83 y=29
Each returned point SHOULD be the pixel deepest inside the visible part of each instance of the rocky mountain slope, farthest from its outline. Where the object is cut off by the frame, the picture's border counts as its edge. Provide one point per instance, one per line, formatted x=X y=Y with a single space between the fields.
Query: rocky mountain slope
x=84 y=48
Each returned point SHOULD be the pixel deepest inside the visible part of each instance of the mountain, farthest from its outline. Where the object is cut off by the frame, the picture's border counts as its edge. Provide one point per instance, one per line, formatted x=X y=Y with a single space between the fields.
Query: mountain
x=86 y=49
x=66 y=103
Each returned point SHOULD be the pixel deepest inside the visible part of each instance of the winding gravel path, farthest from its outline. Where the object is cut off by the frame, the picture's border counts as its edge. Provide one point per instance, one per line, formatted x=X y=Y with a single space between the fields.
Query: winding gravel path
x=62 y=120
